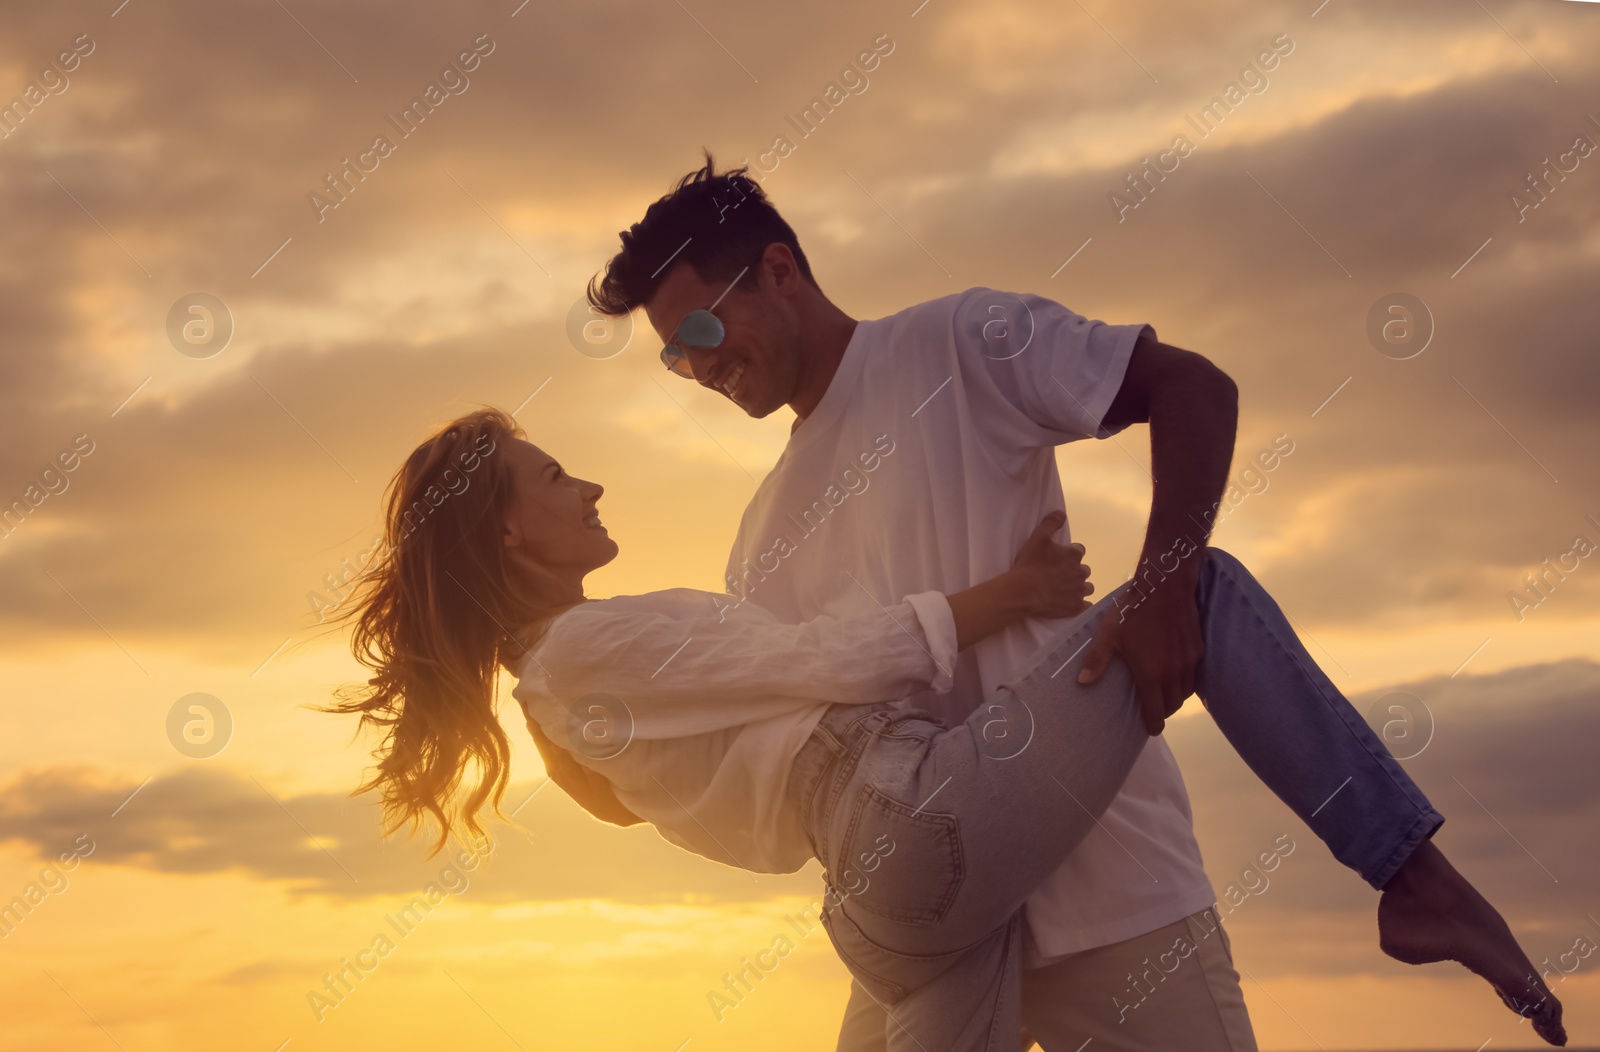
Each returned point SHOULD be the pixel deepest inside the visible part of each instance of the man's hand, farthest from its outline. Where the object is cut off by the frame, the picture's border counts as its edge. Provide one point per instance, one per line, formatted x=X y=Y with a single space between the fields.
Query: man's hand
x=592 y=791
x=1158 y=635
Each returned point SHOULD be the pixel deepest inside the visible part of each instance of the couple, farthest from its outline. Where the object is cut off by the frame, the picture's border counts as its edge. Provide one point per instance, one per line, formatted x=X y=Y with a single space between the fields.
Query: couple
x=904 y=679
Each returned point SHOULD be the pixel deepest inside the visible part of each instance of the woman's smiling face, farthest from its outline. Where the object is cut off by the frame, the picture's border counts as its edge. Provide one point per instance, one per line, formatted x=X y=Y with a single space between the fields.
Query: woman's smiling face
x=551 y=520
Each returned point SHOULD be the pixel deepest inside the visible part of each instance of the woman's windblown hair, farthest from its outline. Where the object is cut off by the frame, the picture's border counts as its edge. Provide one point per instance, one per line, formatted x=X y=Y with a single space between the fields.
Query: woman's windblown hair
x=435 y=614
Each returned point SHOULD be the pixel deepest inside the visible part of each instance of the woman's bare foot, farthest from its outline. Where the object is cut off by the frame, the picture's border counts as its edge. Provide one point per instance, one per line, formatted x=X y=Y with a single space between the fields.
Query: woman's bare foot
x=1430 y=912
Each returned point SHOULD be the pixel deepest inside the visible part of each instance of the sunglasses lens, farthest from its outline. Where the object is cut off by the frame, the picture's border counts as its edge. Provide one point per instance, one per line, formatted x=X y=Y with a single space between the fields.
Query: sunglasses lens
x=677 y=361
x=701 y=328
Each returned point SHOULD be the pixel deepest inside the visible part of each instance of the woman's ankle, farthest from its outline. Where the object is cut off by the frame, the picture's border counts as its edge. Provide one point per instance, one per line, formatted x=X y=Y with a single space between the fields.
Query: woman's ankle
x=1425 y=871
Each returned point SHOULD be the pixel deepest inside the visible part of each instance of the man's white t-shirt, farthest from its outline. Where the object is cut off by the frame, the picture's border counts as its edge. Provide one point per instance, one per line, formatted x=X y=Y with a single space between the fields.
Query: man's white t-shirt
x=927 y=463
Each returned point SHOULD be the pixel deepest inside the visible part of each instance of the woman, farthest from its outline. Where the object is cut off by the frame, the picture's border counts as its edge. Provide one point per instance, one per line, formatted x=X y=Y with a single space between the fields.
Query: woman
x=762 y=745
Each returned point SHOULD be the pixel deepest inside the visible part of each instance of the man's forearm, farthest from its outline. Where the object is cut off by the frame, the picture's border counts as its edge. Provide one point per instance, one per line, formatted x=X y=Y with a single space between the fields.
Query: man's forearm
x=1193 y=420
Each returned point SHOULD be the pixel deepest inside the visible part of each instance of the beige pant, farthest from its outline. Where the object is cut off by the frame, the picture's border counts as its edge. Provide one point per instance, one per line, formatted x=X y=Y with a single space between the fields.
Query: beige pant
x=1172 y=988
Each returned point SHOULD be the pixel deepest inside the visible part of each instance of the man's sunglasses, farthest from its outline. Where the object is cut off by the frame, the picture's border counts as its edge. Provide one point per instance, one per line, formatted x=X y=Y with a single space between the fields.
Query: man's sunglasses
x=699 y=328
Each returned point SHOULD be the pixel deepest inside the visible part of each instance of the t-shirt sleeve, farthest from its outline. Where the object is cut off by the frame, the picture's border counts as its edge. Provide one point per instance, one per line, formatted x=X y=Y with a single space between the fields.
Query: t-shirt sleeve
x=683 y=674
x=1057 y=369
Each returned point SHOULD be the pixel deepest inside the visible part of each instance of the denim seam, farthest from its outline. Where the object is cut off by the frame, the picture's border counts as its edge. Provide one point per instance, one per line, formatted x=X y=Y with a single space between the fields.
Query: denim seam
x=951 y=955
x=830 y=740
x=846 y=764
x=1008 y=978
x=854 y=966
x=889 y=735
x=810 y=804
x=1424 y=828
x=819 y=778
x=1038 y=668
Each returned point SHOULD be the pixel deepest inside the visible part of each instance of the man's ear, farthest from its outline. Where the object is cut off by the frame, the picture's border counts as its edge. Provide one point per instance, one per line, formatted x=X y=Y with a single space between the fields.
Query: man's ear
x=780 y=267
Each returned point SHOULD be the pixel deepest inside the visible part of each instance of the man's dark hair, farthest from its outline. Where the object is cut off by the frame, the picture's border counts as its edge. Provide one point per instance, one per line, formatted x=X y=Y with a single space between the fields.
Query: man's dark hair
x=718 y=224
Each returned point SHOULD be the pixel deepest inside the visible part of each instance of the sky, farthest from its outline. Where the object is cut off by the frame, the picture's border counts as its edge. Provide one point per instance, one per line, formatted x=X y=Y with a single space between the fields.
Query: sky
x=1385 y=238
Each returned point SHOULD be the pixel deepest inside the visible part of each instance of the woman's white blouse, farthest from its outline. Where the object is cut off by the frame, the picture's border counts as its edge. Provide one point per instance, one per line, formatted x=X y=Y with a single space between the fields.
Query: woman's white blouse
x=694 y=709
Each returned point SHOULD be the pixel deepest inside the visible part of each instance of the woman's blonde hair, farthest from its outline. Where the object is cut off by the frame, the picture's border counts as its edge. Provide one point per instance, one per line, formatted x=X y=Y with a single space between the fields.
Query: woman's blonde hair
x=436 y=615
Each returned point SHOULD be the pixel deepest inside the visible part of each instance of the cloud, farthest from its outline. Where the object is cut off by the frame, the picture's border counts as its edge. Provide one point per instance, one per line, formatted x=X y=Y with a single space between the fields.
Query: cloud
x=214 y=821
x=1509 y=761
x=449 y=269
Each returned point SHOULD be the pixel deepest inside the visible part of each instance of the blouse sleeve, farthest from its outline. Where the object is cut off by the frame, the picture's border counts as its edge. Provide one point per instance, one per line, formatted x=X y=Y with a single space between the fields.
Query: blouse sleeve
x=688 y=668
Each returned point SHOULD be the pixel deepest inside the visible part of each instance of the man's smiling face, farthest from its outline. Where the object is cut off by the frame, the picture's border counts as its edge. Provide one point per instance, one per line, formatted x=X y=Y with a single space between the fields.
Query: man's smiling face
x=757 y=364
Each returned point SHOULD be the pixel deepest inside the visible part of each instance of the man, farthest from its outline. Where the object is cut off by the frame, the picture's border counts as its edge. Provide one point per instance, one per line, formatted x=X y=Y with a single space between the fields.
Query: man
x=921 y=456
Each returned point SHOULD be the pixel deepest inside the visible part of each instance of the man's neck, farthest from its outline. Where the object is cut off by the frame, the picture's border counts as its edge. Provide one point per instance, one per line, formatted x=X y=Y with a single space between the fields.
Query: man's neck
x=824 y=350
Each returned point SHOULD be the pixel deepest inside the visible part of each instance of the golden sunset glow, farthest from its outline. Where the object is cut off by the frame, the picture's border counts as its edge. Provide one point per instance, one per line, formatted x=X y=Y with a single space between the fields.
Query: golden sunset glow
x=1431 y=533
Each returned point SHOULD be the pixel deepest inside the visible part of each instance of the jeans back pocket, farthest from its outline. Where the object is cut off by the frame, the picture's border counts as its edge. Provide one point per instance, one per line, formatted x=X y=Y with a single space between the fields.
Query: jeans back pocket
x=898 y=862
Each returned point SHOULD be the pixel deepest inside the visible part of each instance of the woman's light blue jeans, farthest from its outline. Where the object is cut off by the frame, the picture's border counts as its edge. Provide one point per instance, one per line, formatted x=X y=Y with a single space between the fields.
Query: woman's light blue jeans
x=931 y=837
